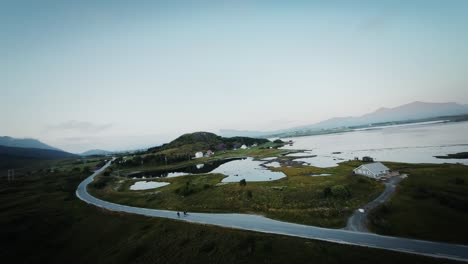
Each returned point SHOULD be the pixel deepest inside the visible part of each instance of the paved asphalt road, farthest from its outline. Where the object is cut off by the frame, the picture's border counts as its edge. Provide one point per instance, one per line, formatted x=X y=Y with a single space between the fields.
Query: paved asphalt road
x=266 y=225
x=358 y=221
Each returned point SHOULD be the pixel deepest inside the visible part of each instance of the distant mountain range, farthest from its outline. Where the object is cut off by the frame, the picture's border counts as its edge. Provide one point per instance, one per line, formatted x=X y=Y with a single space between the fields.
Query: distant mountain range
x=28 y=148
x=407 y=112
x=24 y=143
x=33 y=153
x=96 y=152
x=35 y=145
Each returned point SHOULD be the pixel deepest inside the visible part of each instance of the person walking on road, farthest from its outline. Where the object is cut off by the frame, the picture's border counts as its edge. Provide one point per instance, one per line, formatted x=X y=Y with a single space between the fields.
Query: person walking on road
x=178 y=214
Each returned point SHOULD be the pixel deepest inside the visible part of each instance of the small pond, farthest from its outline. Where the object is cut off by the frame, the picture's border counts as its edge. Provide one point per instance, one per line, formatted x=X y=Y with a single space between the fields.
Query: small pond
x=145 y=185
x=320 y=174
x=273 y=164
x=235 y=168
x=193 y=169
x=248 y=169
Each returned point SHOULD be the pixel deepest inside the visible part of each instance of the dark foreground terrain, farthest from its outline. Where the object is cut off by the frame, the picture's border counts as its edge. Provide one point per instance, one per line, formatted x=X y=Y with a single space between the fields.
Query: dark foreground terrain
x=431 y=204
x=41 y=221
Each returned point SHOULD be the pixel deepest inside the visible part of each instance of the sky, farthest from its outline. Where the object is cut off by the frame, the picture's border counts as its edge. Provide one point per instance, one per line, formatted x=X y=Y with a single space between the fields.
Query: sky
x=118 y=75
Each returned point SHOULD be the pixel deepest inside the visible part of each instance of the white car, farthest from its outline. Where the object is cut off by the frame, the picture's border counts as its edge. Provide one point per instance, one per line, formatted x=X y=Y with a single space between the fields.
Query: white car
x=361 y=210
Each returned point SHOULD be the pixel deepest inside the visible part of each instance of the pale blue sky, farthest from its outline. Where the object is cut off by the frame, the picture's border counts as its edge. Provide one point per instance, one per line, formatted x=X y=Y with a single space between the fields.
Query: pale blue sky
x=126 y=74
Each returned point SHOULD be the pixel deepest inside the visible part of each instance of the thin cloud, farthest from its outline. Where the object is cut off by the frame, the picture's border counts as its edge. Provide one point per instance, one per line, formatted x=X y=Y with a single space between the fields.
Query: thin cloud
x=79 y=126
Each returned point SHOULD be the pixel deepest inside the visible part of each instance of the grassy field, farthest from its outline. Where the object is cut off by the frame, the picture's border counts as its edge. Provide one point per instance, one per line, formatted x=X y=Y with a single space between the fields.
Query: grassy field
x=41 y=221
x=432 y=204
x=322 y=201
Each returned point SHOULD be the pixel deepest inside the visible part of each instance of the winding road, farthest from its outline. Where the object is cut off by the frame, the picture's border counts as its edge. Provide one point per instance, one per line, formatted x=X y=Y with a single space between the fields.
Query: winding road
x=265 y=225
x=358 y=221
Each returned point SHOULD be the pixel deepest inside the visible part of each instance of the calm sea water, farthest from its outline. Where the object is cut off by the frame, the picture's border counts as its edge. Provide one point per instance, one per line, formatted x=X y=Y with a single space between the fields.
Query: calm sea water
x=409 y=143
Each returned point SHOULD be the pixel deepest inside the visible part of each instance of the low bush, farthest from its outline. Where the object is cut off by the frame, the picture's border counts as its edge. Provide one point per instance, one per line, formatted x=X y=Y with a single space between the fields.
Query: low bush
x=242 y=182
x=340 y=191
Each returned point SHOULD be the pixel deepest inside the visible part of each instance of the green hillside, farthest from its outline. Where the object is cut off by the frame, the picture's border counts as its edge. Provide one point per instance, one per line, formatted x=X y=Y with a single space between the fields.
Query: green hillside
x=33 y=153
x=202 y=141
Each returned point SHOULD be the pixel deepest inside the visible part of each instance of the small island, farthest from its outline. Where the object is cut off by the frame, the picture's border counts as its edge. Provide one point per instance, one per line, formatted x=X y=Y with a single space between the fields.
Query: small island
x=460 y=155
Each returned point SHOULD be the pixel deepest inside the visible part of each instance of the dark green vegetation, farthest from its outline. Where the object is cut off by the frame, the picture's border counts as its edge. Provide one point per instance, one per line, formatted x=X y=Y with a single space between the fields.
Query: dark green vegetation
x=321 y=201
x=202 y=141
x=431 y=204
x=461 y=155
x=41 y=221
x=33 y=153
x=26 y=166
x=18 y=153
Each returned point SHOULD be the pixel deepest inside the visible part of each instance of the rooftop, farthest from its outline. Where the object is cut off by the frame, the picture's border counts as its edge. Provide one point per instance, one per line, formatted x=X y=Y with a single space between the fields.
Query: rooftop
x=375 y=167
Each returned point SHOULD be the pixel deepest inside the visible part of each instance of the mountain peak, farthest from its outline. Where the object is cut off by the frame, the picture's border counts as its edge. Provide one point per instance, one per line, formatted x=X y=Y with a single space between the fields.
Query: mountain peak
x=93 y=152
x=24 y=143
x=381 y=109
x=411 y=111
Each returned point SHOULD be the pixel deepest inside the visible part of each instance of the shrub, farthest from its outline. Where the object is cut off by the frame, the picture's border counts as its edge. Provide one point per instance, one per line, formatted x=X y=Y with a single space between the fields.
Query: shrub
x=186 y=190
x=268 y=246
x=340 y=191
x=459 y=181
x=242 y=182
x=86 y=170
x=363 y=180
x=208 y=247
x=420 y=193
x=247 y=244
x=377 y=218
x=327 y=192
x=101 y=183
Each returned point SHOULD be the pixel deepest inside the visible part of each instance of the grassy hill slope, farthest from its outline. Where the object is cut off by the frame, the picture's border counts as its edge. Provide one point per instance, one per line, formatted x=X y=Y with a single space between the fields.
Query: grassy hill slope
x=202 y=141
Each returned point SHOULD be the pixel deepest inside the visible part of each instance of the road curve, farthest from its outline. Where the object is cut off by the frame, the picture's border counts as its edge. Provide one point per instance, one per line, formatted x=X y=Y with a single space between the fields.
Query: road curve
x=359 y=220
x=265 y=225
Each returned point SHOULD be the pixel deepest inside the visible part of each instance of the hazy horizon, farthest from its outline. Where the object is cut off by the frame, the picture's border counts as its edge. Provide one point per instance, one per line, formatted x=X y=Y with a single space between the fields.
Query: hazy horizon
x=149 y=140
x=114 y=75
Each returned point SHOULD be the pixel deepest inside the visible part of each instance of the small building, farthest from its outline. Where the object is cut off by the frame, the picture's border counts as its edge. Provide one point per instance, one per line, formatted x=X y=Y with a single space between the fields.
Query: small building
x=367 y=159
x=243 y=147
x=199 y=154
x=374 y=170
x=209 y=153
